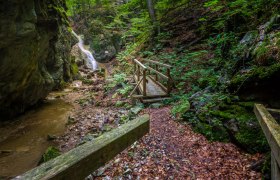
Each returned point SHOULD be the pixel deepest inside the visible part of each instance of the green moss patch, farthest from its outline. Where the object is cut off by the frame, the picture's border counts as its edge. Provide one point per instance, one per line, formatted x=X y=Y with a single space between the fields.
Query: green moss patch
x=50 y=153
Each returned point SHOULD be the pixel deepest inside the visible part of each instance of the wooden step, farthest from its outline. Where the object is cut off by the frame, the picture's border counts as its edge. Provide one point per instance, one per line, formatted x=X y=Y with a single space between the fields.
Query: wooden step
x=155 y=100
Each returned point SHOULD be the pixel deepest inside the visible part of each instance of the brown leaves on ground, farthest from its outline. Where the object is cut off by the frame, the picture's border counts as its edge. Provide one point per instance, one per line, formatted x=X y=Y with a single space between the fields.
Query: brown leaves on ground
x=173 y=151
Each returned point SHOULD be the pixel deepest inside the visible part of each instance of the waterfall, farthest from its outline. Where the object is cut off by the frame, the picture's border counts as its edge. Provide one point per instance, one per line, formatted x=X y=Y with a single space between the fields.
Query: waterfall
x=88 y=54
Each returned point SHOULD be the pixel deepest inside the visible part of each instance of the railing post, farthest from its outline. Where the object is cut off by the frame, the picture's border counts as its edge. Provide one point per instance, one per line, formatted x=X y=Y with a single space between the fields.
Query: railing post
x=169 y=81
x=134 y=63
x=156 y=73
x=275 y=170
x=138 y=73
x=144 y=82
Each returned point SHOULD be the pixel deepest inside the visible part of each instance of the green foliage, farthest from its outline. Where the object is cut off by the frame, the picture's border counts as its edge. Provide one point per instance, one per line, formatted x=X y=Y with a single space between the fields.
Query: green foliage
x=119 y=80
x=50 y=153
x=87 y=81
x=222 y=43
x=261 y=52
x=125 y=90
x=75 y=69
x=235 y=12
x=181 y=108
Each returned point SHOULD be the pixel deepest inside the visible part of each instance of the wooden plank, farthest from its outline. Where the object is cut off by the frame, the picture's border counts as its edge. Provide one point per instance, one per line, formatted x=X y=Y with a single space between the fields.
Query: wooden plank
x=270 y=128
x=158 y=83
x=273 y=110
x=158 y=63
x=155 y=100
x=137 y=96
x=83 y=160
x=152 y=89
x=157 y=72
x=140 y=64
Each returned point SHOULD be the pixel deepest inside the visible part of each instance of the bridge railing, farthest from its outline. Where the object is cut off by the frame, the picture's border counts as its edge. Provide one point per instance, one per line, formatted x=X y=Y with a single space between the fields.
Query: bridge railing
x=85 y=159
x=271 y=128
x=156 y=71
x=160 y=70
x=140 y=71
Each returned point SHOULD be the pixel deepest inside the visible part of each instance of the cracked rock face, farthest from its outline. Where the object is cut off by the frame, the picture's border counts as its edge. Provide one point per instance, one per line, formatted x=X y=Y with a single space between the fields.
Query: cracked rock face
x=34 y=56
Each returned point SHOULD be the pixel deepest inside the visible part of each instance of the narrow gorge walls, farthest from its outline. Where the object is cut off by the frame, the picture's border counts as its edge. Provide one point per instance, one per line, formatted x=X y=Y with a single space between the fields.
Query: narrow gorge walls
x=34 y=52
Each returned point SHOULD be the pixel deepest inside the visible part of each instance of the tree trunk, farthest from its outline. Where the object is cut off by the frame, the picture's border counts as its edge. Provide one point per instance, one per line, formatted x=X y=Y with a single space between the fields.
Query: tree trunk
x=152 y=14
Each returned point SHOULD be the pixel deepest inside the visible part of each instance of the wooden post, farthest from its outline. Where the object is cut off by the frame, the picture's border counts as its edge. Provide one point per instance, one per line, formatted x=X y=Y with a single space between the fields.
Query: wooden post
x=169 y=81
x=138 y=73
x=144 y=82
x=156 y=73
x=271 y=131
x=134 y=63
x=275 y=170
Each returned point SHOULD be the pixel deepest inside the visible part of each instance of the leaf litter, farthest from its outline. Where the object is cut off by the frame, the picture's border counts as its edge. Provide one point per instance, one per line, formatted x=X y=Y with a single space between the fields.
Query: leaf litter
x=173 y=151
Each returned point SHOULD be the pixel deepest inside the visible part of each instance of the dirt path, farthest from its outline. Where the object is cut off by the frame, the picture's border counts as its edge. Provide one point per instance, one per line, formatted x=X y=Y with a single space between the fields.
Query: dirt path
x=173 y=151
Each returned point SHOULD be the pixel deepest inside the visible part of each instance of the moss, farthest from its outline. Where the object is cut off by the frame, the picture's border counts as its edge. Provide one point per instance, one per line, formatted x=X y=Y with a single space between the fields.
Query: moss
x=256 y=74
x=50 y=153
x=87 y=81
x=262 y=53
x=232 y=121
x=252 y=138
x=278 y=43
x=61 y=85
x=75 y=69
x=222 y=114
x=247 y=105
x=266 y=168
x=212 y=132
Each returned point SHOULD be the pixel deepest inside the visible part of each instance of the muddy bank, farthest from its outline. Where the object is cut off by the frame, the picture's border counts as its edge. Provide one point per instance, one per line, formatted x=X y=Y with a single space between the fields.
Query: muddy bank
x=23 y=141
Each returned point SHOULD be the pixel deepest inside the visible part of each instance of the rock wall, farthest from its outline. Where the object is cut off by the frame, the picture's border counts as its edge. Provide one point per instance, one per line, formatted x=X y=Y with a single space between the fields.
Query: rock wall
x=257 y=69
x=34 y=52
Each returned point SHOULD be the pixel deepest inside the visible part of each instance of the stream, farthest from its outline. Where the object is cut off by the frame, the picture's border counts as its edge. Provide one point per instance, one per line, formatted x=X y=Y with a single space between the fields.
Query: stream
x=24 y=140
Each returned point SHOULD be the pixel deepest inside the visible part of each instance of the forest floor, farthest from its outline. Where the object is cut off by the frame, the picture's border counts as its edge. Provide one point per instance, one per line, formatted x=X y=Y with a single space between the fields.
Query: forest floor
x=173 y=151
x=94 y=111
x=170 y=151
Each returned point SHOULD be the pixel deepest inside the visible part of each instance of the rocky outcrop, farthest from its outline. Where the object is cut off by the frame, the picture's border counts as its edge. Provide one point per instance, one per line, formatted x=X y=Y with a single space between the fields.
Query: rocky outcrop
x=257 y=68
x=34 y=52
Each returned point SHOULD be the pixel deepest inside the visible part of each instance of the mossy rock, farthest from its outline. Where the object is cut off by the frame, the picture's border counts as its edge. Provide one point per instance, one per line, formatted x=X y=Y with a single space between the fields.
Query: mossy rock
x=49 y=154
x=234 y=121
x=251 y=137
x=34 y=50
x=257 y=74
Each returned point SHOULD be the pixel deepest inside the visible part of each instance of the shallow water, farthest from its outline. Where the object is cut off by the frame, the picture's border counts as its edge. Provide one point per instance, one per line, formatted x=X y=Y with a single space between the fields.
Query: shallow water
x=23 y=141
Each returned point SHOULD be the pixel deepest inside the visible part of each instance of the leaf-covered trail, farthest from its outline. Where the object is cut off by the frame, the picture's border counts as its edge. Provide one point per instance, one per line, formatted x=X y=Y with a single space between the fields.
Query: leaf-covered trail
x=173 y=151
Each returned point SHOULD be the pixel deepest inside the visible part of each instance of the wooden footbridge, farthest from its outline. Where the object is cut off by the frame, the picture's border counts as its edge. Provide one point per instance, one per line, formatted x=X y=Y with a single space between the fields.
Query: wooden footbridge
x=152 y=81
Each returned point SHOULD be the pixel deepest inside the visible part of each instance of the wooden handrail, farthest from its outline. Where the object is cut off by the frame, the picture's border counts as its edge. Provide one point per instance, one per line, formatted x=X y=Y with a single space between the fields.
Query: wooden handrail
x=85 y=159
x=157 y=72
x=158 y=63
x=145 y=74
x=140 y=64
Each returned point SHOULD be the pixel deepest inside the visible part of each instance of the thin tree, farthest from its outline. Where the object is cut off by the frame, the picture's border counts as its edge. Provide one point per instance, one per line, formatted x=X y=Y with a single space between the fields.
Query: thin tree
x=153 y=17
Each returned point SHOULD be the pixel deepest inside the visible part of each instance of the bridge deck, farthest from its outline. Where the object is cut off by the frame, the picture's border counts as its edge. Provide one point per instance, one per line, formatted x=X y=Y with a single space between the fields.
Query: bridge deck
x=152 y=89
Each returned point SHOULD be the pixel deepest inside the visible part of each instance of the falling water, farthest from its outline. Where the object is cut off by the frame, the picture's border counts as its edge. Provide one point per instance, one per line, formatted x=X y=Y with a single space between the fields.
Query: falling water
x=88 y=54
